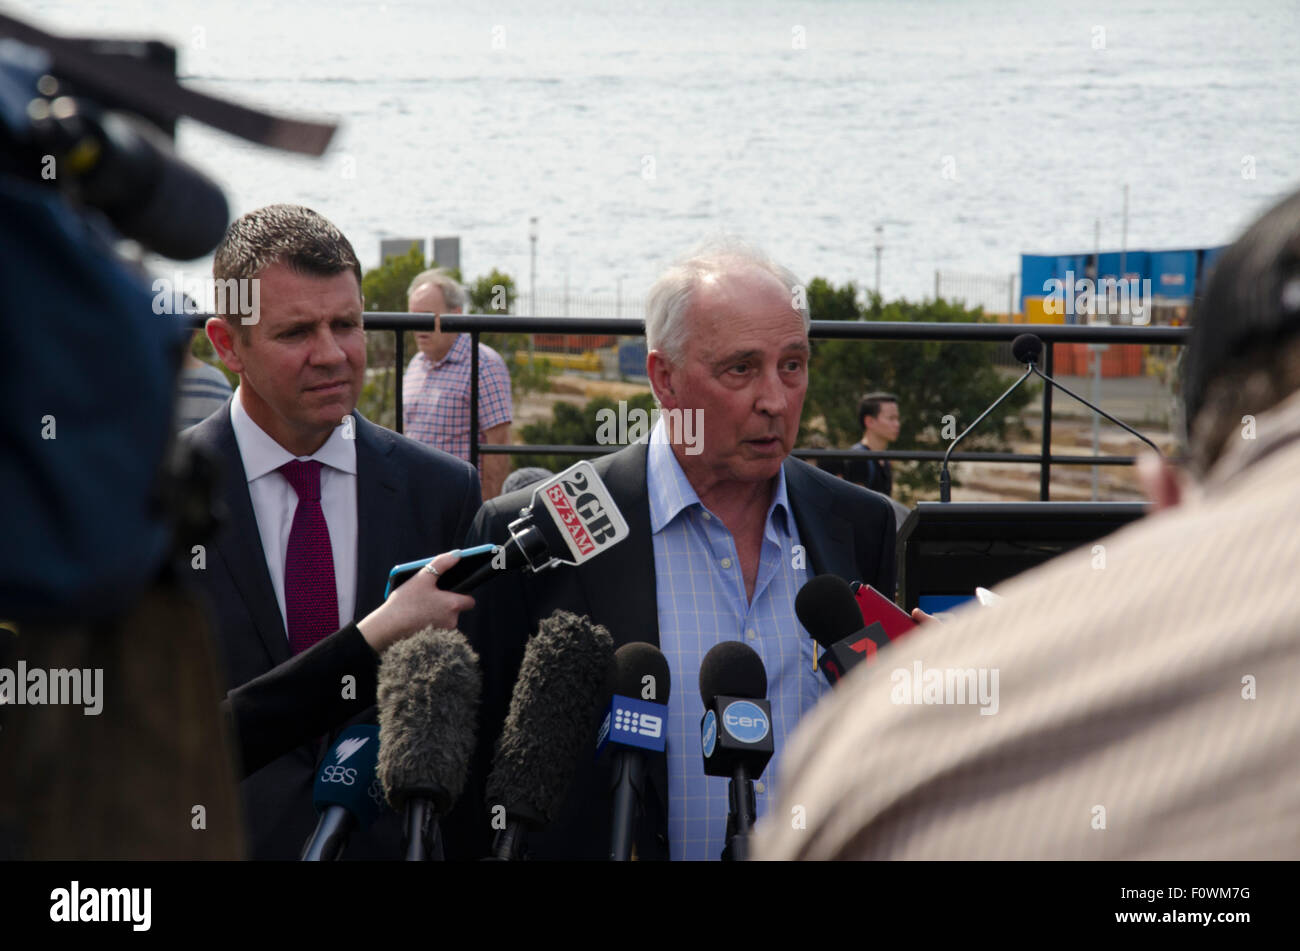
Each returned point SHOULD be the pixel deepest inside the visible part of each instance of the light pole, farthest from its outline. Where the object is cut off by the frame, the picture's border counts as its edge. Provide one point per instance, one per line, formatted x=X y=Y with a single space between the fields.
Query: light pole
x=879 y=247
x=532 y=280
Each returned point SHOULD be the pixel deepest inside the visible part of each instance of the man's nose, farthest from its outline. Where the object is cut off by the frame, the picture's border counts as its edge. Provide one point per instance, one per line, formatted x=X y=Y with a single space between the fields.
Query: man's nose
x=326 y=350
x=771 y=397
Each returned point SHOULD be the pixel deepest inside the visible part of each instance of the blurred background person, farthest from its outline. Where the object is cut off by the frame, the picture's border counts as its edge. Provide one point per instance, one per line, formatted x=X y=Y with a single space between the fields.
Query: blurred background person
x=435 y=389
x=878 y=414
x=202 y=390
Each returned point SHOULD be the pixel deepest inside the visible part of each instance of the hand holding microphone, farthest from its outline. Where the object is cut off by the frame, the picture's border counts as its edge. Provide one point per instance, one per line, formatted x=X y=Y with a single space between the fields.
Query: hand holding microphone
x=416 y=604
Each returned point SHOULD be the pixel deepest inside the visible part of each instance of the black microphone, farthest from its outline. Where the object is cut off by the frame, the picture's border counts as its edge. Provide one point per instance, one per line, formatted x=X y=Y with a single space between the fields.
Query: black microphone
x=736 y=733
x=127 y=169
x=633 y=725
x=1027 y=348
x=347 y=793
x=428 y=696
x=829 y=612
x=572 y=518
x=551 y=722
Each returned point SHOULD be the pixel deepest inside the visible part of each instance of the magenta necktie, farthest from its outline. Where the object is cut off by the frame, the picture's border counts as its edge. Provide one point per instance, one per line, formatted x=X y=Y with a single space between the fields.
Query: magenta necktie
x=311 y=604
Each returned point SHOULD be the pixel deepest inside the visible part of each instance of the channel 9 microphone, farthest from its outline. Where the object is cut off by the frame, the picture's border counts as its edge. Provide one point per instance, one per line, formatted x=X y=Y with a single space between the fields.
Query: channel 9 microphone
x=428 y=696
x=829 y=611
x=736 y=733
x=633 y=725
x=552 y=721
x=347 y=793
x=572 y=518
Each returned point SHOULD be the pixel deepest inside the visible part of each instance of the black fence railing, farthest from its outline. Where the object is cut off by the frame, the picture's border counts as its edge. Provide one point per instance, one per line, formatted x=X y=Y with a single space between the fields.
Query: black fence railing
x=1050 y=334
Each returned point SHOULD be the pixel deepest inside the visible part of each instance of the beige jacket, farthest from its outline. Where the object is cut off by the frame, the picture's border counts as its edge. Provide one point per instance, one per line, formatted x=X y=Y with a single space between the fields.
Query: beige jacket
x=1147 y=698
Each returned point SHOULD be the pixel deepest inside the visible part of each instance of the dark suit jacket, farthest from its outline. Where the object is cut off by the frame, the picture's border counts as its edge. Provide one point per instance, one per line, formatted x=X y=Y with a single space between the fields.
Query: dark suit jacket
x=413 y=501
x=845 y=530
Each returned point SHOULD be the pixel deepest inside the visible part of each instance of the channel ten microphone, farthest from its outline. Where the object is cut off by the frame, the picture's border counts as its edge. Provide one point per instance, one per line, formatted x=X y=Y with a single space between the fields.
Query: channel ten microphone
x=633 y=726
x=735 y=733
x=347 y=793
x=571 y=519
x=828 y=610
x=428 y=696
x=552 y=721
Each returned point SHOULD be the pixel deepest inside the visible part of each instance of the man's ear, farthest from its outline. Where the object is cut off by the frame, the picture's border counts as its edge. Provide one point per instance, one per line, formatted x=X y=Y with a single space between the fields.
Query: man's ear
x=223 y=341
x=1161 y=482
x=660 y=372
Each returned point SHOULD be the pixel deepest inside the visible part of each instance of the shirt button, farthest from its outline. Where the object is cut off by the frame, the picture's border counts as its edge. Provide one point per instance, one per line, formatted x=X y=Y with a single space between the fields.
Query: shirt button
x=751 y=634
x=726 y=563
x=758 y=786
x=707 y=516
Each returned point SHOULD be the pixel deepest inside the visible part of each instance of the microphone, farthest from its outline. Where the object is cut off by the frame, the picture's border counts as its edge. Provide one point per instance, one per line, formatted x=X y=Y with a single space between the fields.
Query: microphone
x=347 y=793
x=634 y=724
x=735 y=733
x=1027 y=348
x=571 y=519
x=829 y=611
x=428 y=695
x=551 y=722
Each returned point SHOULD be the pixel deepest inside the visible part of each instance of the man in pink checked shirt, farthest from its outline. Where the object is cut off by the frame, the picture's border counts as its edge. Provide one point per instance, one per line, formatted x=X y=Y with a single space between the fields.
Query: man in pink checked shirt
x=435 y=390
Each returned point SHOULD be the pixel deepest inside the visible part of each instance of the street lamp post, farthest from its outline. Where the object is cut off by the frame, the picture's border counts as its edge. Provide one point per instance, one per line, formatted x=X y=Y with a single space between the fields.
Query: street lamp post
x=879 y=247
x=532 y=280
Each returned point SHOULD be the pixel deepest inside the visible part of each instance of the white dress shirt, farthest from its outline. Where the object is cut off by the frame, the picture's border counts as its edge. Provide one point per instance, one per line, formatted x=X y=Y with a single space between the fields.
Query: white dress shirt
x=275 y=501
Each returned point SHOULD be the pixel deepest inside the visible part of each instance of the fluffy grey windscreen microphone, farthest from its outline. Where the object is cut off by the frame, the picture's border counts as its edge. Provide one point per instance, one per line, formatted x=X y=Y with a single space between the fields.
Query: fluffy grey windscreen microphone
x=552 y=719
x=429 y=689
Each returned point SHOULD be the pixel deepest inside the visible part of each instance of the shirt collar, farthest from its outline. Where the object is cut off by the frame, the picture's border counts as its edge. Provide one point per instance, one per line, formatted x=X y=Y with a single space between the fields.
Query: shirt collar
x=458 y=353
x=262 y=454
x=671 y=492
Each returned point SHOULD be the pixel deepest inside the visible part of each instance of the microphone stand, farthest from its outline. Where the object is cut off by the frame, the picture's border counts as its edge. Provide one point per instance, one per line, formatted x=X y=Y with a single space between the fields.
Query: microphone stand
x=945 y=480
x=1096 y=409
x=740 y=821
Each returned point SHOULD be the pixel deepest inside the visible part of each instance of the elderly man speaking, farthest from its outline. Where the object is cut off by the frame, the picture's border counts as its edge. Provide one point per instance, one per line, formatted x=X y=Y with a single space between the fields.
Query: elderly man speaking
x=725 y=530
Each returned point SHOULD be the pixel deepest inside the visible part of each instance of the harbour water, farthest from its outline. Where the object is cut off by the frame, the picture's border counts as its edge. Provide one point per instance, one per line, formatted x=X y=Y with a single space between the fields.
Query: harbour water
x=969 y=130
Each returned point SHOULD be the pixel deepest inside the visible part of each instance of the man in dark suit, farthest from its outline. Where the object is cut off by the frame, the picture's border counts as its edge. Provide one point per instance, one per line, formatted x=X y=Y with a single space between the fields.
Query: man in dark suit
x=320 y=502
x=725 y=527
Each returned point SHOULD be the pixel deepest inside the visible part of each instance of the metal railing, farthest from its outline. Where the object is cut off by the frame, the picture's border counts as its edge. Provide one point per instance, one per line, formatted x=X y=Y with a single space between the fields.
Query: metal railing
x=1050 y=334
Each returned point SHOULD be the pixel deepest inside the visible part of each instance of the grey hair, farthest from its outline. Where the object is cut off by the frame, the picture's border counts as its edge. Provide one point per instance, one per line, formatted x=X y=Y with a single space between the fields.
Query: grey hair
x=670 y=297
x=453 y=293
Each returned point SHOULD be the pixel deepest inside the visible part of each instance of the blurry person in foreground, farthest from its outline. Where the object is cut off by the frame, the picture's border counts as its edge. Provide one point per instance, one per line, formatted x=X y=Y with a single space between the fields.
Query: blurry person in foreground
x=1129 y=701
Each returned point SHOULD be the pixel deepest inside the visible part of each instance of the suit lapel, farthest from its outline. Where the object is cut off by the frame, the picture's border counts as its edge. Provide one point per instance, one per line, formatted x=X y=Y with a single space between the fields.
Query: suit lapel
x=828 y=540
x=378 y=514
x=621 y=583
x=241 y=546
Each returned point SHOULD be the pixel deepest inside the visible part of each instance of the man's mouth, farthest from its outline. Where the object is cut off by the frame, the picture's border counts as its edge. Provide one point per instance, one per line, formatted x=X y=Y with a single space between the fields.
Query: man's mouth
x=765 y=442
x=335 y=387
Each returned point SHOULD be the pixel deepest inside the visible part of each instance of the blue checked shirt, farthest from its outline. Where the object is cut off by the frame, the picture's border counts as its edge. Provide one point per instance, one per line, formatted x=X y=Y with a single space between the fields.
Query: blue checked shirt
x=701 y=601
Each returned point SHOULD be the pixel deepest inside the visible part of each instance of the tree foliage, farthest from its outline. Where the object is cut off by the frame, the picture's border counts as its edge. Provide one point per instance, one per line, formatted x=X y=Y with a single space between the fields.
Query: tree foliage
x=574 y=426
x=933 y=380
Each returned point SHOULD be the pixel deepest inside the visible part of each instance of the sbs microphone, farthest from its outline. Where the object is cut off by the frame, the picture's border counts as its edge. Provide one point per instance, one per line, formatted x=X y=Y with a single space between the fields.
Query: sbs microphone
x=736 y=733
x=347 y=793
x=633 y=726
x=428 y=696
x=551 y=723
x=828 y=610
